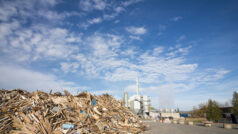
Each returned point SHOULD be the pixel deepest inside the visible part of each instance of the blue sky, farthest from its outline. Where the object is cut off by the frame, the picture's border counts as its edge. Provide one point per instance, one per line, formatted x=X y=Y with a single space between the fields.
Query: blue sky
x=184 y=52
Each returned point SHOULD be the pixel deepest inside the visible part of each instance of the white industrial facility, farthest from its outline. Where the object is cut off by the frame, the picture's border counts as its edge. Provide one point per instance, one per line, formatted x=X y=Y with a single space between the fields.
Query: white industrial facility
x=138 y=104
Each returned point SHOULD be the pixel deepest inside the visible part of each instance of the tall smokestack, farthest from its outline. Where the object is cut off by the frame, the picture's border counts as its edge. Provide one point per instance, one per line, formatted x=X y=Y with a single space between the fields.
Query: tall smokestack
x=126 y=99
x=137 y=85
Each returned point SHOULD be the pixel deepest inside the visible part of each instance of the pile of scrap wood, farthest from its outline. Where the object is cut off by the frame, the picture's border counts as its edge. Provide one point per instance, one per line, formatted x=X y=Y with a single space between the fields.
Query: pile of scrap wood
x=22 y=112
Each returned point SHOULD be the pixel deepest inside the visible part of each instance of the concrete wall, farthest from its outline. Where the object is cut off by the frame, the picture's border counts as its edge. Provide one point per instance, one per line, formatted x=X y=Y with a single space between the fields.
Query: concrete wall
x=174 y=115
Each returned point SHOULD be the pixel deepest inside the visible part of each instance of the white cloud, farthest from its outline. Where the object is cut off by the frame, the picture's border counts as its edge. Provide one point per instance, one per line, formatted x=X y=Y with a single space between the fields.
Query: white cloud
x=48 y=2
x=210 y=75
x=95 y=21
x=17 y=77
x=136 y=30
x=103 y=61
x=101 y=56
x=8 y=28
x=116 y=21
x=99 y=4
x=113 y=14
x=177 y=18
x=159 y=67
x=135 y=37
x=86 y=5
x=91 y=22
x=121 y=74
x=51 y=15
x=33 y=10
x=119 y=9
x=158 y=50
x=130 y=2
x=181 y=38
x=131 y=88
x=37 y=42
x=178 y=50
x=69 y=67
x=89 y=5
x=6 y=12
x=130 y=52
x=114 y=8
x=100 y=46
x=109 y=16
x=55 y=43
x=10 y=9
x=154 y=66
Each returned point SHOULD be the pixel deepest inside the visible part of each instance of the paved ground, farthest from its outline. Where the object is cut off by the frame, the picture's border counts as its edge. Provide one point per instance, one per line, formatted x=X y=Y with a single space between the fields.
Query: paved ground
x=160 y=128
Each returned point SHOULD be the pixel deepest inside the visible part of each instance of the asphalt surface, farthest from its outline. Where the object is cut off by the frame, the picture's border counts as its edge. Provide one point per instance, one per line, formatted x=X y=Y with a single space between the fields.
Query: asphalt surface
x=161 y=128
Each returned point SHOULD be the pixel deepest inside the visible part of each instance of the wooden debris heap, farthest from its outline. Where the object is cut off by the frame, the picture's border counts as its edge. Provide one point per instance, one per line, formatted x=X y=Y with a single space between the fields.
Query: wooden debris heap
x=22 y=112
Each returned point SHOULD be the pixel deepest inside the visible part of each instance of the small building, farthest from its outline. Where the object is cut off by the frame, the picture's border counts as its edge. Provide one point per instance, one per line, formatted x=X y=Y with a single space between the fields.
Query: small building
x=227 y=116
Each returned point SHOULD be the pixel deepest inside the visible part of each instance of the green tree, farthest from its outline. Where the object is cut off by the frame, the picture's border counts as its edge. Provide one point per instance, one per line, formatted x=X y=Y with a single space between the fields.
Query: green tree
x=214 y=113
x=235 y=103
x=200 y=111
x=152 y=108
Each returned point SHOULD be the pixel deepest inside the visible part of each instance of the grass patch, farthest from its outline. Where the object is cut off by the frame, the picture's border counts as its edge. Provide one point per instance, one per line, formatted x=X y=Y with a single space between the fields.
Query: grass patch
x=196 y=120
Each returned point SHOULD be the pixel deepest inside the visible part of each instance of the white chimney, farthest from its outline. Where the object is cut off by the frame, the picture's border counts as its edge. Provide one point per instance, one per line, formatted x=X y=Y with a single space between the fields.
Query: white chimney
x=137 y=85
x=126 y=99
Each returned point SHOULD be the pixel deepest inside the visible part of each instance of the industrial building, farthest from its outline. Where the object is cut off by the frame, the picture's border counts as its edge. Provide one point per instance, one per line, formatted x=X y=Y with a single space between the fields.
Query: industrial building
x=138 y=104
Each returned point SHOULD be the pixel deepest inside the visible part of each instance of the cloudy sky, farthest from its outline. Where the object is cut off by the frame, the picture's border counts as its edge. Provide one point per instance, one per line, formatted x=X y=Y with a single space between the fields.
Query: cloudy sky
x=184 y=52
